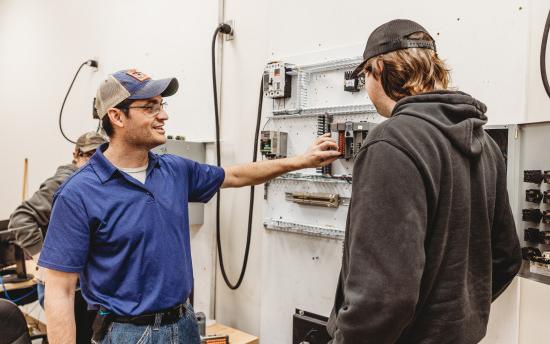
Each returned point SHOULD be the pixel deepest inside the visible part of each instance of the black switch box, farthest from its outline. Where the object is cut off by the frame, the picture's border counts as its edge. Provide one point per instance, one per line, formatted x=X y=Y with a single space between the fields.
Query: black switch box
x=309 y=328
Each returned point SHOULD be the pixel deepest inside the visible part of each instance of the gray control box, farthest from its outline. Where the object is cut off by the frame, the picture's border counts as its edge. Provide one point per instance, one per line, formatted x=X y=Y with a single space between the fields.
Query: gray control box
x=190 y=150
x=524 y=147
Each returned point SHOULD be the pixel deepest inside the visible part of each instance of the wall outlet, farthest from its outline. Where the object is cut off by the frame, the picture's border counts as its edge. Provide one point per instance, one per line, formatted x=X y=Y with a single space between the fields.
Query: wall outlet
x=231 y=36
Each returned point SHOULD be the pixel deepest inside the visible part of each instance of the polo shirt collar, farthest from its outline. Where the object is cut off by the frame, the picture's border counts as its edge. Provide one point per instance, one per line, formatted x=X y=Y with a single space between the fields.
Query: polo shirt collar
x=105 y=169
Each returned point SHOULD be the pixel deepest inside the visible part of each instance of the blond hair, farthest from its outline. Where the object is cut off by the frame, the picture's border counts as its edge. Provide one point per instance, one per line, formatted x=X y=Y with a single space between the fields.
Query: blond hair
x=410 y=71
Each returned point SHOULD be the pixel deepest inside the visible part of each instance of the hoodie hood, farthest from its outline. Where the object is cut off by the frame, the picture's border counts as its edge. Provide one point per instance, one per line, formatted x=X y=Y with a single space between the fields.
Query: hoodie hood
x=457 y=115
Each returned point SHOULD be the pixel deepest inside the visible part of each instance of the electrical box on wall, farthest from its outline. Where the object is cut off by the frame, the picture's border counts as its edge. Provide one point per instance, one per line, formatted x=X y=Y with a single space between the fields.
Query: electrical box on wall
x=277 y=80
x=273 y=144
x=533 y=196
x=314 y=201
x=528 y=184
x=351 y=83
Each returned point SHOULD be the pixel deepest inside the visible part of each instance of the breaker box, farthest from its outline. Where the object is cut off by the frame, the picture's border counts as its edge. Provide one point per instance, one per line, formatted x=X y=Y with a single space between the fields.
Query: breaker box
x=276 y=80
x=528 y=179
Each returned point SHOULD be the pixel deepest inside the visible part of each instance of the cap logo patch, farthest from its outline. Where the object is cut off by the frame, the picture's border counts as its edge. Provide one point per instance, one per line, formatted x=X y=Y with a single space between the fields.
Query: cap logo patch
x=139 y=76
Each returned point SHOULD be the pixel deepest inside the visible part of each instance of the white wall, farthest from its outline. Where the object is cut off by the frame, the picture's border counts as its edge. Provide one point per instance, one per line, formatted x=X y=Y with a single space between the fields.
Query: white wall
x=538 y=103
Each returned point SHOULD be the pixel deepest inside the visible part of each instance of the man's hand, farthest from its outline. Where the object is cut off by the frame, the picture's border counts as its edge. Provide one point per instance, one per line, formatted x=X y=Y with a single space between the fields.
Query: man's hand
x=322 y=152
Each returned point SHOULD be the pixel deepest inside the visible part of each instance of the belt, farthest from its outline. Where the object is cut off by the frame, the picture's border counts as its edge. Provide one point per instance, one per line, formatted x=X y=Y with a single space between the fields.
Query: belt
x=167 y=316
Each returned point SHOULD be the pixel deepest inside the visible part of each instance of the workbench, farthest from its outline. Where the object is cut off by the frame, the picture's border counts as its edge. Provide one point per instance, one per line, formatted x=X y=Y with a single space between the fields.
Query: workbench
x=235 y=336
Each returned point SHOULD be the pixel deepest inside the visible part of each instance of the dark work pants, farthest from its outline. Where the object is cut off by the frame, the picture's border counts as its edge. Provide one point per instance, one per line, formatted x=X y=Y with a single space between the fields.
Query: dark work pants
x=84 y=319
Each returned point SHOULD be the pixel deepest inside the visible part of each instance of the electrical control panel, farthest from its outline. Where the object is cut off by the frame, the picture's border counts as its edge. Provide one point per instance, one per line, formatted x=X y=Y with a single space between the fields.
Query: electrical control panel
x=314 y=202
x=529 y=190
x=273 y=144
x=277 y=80
x=536 y=218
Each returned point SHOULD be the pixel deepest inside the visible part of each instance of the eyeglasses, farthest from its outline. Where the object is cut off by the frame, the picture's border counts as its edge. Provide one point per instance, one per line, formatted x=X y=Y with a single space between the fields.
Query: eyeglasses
x=151 y=110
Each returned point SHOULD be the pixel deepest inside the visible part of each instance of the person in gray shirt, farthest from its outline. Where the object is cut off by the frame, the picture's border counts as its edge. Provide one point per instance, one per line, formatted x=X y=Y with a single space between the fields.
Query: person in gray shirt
x=31 y=218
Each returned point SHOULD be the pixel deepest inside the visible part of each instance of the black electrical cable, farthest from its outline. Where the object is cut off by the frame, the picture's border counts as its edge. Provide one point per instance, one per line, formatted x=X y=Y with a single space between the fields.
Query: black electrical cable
x=543 y=55
x=90 y=63
x=224 y=28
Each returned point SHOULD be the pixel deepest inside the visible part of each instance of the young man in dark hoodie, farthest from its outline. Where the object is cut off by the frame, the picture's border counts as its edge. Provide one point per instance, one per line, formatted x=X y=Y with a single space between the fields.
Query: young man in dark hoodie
x=430 y=238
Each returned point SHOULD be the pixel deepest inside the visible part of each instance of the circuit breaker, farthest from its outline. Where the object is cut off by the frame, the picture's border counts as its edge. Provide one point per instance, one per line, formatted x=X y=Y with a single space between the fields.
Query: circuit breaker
x=530 y=196
x=273 y=144
x=277 y=82
x=351 y=83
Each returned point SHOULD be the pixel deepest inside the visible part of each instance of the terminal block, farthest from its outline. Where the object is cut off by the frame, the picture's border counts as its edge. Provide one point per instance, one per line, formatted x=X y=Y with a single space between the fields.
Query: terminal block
x=546 y=197
x=533 y=176
x=277 y=82
x=531 y=215
x=533 y=196
x=350 y=137
x=323 y=127
x=273 y=144
x=546 y=177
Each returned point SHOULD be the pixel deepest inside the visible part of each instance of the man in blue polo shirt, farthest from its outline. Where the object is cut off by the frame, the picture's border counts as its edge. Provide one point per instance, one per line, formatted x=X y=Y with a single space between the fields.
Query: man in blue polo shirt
x=121 y=222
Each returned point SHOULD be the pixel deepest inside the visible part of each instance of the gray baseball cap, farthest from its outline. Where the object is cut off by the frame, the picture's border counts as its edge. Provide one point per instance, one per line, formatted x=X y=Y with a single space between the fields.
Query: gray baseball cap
x=392 y=36
x=89 y=141
x=131 y=84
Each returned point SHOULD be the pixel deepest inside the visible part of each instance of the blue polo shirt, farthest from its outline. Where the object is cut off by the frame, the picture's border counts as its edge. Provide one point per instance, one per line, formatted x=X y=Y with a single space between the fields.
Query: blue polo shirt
x=129 y=241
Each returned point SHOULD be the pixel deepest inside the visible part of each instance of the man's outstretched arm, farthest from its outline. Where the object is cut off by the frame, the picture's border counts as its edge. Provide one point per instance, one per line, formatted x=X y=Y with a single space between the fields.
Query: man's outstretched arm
x=322 y=152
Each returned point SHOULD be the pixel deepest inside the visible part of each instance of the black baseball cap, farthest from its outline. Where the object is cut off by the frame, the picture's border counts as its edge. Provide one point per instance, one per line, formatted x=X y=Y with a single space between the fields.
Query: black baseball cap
x=392 y=36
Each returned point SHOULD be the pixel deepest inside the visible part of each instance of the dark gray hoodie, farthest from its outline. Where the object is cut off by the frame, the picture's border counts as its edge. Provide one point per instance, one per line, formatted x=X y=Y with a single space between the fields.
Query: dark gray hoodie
x=430 y=239
x=32 y=217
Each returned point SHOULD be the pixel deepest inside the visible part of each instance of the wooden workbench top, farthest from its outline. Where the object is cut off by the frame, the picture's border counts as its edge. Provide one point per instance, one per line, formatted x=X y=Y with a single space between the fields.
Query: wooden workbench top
x=235 y=336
